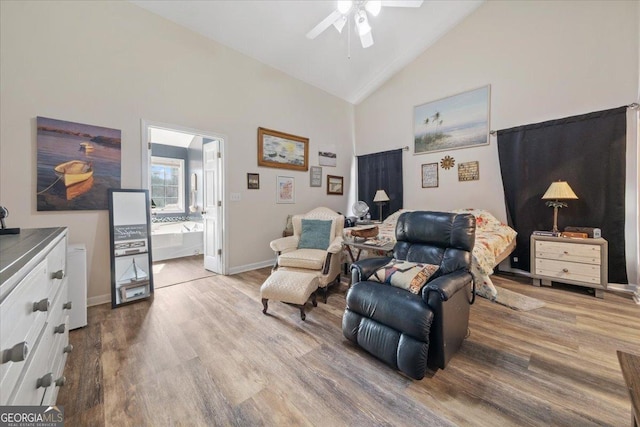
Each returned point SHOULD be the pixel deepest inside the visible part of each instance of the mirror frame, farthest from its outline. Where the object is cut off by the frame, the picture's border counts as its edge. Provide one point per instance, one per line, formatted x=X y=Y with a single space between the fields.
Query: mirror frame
x=130 y=240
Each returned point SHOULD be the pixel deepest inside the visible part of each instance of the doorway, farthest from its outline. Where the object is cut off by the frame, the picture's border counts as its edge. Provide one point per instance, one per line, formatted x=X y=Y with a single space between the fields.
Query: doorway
x=183 y=170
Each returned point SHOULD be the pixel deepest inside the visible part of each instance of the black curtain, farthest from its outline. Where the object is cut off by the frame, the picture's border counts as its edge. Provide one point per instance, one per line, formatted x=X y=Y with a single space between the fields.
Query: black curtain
x=381 y=171
x=587 y=151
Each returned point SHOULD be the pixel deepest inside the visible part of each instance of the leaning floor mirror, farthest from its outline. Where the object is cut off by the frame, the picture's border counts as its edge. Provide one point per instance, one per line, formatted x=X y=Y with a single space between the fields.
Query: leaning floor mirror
x=130 y=232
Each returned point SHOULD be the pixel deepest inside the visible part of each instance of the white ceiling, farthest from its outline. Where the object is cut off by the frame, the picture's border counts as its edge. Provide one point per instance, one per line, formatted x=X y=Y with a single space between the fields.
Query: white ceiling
x=273 y=32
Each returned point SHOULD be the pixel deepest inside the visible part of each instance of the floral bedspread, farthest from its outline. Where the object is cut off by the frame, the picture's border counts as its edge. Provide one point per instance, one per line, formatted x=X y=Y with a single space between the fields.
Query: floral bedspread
x=492 y=238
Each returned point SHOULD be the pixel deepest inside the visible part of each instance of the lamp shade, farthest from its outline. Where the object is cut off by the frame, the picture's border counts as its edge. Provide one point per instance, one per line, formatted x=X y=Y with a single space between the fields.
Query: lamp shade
x=381 y=196
x=559 y=190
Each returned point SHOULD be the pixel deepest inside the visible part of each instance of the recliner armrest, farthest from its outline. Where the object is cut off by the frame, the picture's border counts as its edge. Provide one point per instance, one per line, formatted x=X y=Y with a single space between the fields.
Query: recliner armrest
x=448 y=285
x=285 y=244
x=361 y=270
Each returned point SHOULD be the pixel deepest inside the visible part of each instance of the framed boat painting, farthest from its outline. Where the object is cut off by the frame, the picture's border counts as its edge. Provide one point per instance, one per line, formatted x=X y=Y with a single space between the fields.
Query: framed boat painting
x=282 y=150
x=76 y=165
x=458 y=121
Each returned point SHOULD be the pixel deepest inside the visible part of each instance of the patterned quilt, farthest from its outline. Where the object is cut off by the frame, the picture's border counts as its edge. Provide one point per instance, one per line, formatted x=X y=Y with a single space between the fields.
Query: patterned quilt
x=492 y=238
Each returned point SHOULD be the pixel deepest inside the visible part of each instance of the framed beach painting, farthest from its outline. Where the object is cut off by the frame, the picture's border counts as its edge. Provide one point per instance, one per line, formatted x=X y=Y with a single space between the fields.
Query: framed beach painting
x=459 y=121
x=282 y=150
x=285 y=189
x=76 y=165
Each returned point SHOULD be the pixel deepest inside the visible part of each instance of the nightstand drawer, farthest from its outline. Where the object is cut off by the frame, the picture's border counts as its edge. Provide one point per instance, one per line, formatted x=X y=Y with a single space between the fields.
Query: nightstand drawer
x=553 y=269
x=572 y=252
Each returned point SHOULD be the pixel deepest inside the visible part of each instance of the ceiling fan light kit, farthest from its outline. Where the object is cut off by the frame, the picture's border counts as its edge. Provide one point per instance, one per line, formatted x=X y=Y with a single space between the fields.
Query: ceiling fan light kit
x=359 y=8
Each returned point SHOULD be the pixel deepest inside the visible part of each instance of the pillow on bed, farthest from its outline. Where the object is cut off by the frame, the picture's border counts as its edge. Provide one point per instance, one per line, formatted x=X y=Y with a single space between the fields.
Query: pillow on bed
x=410 y=276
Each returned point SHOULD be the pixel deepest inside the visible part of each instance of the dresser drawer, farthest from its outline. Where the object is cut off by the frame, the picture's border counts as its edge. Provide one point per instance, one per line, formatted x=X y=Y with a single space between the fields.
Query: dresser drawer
x=28 y=391
x=43 y=360
x=20 y=323
x=573 y=252
x=587 y=273
x=58 y=358
x=56 y=264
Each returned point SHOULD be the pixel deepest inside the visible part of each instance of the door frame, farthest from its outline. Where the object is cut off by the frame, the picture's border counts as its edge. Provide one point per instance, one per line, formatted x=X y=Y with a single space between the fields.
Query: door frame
x=145 y=177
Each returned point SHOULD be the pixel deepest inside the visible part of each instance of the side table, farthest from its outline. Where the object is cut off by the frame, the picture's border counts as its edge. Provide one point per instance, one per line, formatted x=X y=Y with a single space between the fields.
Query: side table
x=580 y=262
x=350 y=246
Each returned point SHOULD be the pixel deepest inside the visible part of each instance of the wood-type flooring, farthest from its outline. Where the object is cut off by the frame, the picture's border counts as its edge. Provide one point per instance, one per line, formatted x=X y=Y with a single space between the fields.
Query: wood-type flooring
x=202 y=354
x=174 y=271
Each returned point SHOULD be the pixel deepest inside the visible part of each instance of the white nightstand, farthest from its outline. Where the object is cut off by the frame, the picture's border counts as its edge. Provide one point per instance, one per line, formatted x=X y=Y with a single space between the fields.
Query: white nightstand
x=580 y=262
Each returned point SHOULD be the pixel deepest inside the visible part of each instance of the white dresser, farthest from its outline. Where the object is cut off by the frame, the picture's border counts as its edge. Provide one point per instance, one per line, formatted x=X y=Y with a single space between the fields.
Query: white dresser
x=34 y=316
x=575 y=261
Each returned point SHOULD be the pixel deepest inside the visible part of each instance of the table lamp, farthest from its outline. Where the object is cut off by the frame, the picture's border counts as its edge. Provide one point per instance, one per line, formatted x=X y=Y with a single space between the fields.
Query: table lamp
x=557 y=191
x=380 y=198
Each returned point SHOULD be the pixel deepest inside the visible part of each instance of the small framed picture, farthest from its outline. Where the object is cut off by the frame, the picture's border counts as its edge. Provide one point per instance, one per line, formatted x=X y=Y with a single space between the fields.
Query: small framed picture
x=285 y=189
x=253 y=181
x=469 y=171
x=335 y=184
x=315 y=176
x=430 y=175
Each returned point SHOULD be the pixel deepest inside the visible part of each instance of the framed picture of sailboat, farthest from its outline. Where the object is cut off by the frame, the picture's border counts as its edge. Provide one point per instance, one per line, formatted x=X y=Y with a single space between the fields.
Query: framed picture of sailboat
x=77 y=163
x=130 y=232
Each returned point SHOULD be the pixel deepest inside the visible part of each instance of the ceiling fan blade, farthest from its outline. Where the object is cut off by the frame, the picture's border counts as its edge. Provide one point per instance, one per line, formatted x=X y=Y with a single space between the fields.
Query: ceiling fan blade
x=402 y=3
x=324 y=24
x=366 y=40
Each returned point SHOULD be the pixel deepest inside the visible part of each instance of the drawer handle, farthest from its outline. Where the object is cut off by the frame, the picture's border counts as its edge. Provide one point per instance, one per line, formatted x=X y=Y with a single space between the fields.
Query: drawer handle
x=59 y=329
x=17 y=353
x=68 y=349
x=565 y=270
x=45 y=381
x=66 y=305
x=57 y=275
x=566 y=252
x=61 y=381
x=42 y=305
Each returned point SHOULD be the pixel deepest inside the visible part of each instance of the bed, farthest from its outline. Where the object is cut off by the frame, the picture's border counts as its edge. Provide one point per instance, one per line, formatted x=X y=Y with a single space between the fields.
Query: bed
x=494 y=242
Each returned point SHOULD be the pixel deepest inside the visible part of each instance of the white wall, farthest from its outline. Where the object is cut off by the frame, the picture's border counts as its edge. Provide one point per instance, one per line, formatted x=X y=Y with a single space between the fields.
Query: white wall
x=544 y=60
x=112 y=64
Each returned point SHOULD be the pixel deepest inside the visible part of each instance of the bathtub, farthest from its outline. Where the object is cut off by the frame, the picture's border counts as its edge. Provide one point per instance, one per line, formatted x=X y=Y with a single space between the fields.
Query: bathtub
x=176 y=239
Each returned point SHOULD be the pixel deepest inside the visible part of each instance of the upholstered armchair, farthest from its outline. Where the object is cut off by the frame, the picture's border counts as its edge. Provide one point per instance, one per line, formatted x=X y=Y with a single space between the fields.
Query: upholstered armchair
x=316 y=245
x=412 y=310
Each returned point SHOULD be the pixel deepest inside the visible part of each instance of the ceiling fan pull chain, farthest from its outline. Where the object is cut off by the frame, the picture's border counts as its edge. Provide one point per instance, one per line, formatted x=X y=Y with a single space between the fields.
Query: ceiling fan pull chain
x=348 y=41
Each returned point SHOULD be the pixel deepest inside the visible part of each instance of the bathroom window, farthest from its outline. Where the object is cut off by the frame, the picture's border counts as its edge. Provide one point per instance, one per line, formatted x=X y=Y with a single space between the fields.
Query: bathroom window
x=167 y=184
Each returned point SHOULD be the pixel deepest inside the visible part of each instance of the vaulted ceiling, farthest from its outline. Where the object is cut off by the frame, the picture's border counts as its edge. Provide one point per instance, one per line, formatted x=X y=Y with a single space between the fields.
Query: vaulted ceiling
x=273 y=32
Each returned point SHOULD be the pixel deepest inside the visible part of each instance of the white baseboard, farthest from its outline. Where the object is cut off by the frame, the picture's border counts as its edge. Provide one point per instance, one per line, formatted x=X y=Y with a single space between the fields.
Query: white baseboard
x=623 y=287
x=97 y=300
x=249 y=267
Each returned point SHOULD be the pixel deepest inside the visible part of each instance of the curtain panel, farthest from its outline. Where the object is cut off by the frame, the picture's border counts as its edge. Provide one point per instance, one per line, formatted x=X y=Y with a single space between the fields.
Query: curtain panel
x=381 y=171
x=587 y=151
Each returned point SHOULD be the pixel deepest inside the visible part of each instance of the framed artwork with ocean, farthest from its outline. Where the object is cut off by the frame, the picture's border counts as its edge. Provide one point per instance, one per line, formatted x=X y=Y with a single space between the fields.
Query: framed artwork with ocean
x=76 y=165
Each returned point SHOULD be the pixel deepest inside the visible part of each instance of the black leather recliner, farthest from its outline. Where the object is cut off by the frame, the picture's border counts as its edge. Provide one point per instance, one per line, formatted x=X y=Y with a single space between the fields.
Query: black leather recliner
x=408 y=331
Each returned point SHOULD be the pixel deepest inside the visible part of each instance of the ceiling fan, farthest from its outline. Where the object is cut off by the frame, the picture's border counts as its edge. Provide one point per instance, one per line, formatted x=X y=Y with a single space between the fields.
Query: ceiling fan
x=358 y=9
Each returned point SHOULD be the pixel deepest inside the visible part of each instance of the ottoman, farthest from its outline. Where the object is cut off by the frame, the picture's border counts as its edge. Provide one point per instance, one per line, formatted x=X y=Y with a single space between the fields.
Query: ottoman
x=292 y=287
